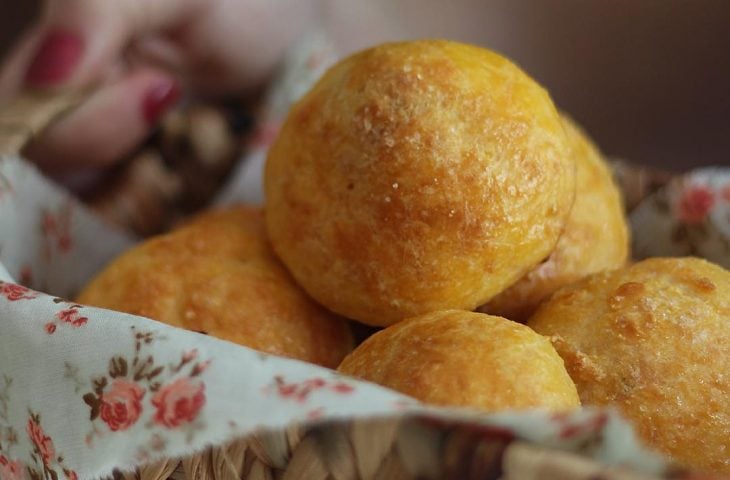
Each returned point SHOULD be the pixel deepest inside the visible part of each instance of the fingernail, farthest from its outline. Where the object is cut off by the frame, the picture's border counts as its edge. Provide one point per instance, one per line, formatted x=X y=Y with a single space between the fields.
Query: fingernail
x=57 y=57
x=159 y=99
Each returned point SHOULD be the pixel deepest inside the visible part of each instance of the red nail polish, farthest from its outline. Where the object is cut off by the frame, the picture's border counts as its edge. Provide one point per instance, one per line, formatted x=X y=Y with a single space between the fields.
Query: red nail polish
x=56 y=58
x=159 y=99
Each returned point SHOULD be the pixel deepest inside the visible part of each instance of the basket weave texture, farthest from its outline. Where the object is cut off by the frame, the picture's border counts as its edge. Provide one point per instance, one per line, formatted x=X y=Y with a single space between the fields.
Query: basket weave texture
x=405 y=448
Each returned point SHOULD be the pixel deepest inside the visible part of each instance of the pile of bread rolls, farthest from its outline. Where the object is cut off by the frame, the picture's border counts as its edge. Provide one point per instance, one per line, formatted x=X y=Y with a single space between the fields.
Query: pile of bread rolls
x=433 y=189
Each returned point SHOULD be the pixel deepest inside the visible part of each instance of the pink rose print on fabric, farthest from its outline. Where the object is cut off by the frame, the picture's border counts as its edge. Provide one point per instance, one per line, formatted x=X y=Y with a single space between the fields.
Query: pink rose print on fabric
x=689 y=216
x=44 y=463
x=43 y=445
x=137 y=390
x=44 y=453
x=694 y=204
x=316 y=413
x=121 y=405
x=70 y=315
x=55 y=227
x=300 y=391
x=178 y=402
x=11 y=469
x=572 y=429
x=14 y=292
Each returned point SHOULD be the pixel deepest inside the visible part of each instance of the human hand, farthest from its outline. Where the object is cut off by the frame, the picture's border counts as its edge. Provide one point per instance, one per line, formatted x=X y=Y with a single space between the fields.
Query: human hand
x=140 y=56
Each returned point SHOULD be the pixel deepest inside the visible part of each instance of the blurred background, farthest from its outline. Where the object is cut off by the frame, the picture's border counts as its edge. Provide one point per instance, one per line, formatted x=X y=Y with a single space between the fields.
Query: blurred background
x=649 y=79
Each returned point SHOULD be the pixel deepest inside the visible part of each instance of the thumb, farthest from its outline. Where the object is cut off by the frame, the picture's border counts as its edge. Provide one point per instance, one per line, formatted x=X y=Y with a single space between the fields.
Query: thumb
x=78 y=40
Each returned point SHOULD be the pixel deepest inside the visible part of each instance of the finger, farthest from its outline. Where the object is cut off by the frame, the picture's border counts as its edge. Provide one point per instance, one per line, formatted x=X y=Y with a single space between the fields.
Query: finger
x=80 y=38
x=109 y=125
x=157 y=51
x=240 y=42
x=15 y=64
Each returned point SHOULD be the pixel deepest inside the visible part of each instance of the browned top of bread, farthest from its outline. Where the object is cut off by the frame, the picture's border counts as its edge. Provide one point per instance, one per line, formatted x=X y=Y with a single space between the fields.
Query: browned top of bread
x=466 y=359
x=596 y=235
x=654 y=340
x=415 y=177
x=218 y=275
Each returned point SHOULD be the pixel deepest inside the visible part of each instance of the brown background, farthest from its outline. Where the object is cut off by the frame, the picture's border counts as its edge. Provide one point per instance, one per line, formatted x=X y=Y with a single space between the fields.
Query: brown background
x=650 y=79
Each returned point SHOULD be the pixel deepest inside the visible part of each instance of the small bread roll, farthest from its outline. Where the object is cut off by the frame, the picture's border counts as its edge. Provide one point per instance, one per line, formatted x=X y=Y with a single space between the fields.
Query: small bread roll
x=596 y=236
x=416 y=177
x=654 y=340
x=468 y=359
x=217 y=275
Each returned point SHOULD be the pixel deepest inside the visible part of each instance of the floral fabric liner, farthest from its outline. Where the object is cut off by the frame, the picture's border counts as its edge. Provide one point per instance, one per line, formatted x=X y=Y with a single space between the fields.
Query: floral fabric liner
x=689 y=216
x=84 y=391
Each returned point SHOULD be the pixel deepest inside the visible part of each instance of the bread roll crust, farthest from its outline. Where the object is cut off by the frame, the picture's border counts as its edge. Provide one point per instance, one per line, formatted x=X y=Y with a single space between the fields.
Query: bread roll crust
x=416 y=177
x=653 y=340
x=596 y=236
x=459 y=358
x=218 y=275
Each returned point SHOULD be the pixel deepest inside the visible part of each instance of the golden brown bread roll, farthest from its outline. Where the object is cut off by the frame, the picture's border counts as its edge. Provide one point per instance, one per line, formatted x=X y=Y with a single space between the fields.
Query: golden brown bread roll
x=218 y=275
x=416 y=177
x=465 y=359
x=654 y=340
x=596 y=236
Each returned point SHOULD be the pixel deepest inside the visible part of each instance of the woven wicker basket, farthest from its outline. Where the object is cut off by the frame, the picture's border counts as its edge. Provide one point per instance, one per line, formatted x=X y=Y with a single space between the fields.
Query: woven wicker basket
x=405 y=448
x=399 y=448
